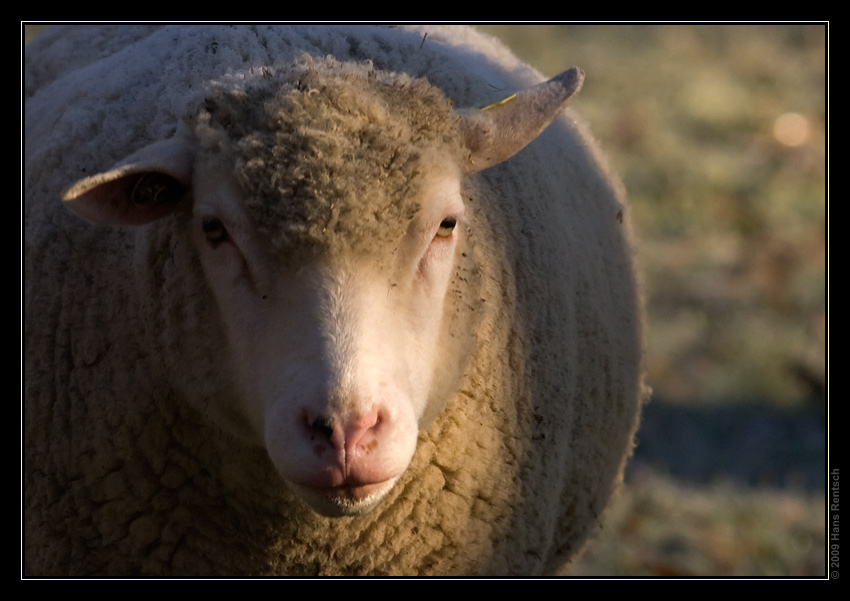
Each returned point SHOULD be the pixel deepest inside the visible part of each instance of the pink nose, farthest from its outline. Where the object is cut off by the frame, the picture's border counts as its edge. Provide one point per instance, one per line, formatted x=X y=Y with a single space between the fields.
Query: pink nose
x=354 y=436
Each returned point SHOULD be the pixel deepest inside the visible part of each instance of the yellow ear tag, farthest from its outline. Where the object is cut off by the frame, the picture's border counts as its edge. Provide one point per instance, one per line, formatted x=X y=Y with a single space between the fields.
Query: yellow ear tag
x=500 y=103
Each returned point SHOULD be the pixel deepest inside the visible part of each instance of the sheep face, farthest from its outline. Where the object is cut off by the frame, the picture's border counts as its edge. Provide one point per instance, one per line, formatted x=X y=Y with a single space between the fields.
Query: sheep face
x=335 y=355
x=329 y=244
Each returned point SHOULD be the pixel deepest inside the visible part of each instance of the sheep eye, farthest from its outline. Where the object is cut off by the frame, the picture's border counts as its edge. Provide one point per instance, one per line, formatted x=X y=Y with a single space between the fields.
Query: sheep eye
x=447 y=226
x=214 y=230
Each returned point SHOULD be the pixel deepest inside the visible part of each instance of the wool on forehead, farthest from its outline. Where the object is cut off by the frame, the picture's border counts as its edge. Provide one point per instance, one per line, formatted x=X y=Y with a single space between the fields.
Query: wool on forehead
x=330 y=155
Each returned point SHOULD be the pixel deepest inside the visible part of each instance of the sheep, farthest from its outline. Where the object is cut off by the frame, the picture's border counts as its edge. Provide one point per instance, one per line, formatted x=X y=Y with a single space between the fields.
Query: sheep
x=315 y=319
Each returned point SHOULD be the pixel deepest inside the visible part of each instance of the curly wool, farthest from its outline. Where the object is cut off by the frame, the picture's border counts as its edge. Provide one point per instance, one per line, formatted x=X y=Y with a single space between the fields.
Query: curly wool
x=329 y=153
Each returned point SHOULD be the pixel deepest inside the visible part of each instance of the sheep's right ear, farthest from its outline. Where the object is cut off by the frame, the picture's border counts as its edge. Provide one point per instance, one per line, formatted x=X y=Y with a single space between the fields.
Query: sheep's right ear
x=145 y=186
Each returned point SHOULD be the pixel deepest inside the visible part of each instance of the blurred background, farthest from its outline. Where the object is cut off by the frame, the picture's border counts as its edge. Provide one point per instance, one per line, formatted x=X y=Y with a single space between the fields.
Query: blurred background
x=719 y=134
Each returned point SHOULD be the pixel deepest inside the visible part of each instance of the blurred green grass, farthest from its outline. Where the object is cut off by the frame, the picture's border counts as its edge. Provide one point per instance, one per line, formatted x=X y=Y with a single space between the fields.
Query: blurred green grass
x=662 y=528
x=718 y=132
x=719 y=135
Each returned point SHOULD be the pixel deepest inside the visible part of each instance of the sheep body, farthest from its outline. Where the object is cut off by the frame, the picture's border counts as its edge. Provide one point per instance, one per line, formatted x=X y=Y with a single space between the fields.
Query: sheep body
x=140 y=457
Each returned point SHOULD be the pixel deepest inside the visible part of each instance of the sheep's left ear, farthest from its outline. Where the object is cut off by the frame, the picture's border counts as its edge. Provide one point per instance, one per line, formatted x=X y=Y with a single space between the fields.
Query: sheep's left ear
x=143 y=187
x=497 y=132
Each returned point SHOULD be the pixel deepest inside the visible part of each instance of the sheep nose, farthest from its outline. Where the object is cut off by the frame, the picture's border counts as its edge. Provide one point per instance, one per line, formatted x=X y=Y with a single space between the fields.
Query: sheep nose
x=323 y=425
x=354 y=435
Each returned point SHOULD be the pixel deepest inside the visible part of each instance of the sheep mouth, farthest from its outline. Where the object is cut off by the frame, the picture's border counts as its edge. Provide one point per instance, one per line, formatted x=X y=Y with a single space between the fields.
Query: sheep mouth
x=348 y=499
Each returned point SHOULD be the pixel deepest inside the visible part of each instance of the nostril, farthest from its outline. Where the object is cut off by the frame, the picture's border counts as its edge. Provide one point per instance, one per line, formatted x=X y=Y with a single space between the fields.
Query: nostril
x=324 y=425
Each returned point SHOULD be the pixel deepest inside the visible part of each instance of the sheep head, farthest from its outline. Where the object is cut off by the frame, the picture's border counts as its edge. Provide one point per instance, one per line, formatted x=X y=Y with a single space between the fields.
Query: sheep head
x=327 y=215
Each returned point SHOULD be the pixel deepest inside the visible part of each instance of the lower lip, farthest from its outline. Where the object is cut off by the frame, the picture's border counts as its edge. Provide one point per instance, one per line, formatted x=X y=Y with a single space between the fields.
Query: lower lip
x=345 y=500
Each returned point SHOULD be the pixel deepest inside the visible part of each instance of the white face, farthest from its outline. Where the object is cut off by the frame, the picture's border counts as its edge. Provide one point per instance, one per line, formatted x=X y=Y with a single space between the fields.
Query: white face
x=337 y=359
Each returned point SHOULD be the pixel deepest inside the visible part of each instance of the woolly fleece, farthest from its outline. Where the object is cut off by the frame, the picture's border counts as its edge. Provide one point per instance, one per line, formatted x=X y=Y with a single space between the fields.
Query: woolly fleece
x=137 y=458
